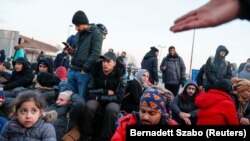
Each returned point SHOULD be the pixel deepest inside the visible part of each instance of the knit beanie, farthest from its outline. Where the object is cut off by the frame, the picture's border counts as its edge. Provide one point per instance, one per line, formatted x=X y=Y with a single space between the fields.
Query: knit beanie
x=154 y=49
x=152 y=99
x=61 y=72
x=46 y=79
x=66 y=94
x=80 y=18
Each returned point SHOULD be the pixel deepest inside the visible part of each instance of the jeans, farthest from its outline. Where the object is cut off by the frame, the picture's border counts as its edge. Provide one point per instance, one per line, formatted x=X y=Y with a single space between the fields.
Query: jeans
x=78 y=82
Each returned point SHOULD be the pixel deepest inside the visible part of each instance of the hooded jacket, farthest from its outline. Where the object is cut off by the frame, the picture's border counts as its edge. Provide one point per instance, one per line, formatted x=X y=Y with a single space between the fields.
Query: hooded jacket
x=20 y=79
x=48 y=62
x=150 y=63
x=133 y=93
x=185 y=103
x=244 y=73
x=217 y=69
x=216 y=108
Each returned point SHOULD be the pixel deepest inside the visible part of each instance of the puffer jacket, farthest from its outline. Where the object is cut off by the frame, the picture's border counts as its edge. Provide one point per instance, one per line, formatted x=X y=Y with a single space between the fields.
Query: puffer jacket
x=41 y=131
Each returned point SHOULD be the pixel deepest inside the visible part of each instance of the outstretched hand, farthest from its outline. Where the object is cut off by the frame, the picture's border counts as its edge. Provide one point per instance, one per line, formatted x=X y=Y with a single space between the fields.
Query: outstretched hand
x=213 y=13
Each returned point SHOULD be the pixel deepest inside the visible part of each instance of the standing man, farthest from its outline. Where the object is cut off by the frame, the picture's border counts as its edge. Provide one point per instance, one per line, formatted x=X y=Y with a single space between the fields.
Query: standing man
x=150 y=63
x=173 y=70
x=85 y=52
x=217 y=68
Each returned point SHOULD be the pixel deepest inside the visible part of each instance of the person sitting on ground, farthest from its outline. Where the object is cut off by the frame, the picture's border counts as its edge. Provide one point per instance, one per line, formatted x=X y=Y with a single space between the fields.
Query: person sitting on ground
x=242 y=90
x=134 y=91
x=69 y=108
x=183 y=109
x=106 y=91
x=152 y=112
x=21 y=76
x=27 y=123
x=217 y=107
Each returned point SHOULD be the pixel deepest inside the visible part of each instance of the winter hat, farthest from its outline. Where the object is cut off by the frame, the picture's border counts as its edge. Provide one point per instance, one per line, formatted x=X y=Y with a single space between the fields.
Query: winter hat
x=102 y=28
x=152 y=99
x=61 y=72
x=154 y=49
x=44 y=63
x=80 y=18
x=70 y=41
x=224 y=85
x=46 y=79
x=66 y=94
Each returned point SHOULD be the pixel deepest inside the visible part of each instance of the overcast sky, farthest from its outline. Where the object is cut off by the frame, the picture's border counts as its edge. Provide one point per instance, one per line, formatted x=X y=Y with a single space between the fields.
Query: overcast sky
x=133 y=26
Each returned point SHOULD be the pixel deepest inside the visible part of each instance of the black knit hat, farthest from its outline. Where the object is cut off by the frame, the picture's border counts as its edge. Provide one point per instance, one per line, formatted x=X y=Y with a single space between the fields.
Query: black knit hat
x=80 y=18
x=46 y=79
x=154 y=49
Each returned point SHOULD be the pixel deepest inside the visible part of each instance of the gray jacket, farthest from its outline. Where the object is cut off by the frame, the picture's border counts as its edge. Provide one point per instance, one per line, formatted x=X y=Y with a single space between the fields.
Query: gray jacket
x=41 y=131
x=175 y=70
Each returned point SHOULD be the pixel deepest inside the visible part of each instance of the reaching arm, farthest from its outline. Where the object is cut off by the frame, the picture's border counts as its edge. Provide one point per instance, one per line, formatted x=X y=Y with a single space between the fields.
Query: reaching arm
x=213 y=13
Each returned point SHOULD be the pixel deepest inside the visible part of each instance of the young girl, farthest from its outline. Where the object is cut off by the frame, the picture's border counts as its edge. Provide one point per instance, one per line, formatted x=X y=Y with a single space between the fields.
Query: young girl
x=27 y=123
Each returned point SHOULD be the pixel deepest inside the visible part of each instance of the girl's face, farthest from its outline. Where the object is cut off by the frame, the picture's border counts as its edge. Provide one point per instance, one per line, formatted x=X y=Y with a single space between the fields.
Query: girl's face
x=145 y=77
x=28 y=114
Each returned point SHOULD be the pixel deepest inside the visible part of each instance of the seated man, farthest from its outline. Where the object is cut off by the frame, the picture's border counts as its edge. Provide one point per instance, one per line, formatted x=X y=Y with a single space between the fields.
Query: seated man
x=152 y=112
x=183 y=108
x=105 y=95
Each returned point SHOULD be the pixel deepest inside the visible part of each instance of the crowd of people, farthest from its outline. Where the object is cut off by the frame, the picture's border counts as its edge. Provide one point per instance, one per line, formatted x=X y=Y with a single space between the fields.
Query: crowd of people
x=83 y=95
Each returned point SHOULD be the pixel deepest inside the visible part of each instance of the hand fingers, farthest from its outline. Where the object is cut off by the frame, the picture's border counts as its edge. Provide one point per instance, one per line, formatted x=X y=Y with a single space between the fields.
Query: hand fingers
x=182 y=18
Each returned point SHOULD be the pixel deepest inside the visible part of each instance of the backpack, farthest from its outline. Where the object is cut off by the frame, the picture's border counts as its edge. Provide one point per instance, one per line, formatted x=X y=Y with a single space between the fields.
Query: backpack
x=212 y=60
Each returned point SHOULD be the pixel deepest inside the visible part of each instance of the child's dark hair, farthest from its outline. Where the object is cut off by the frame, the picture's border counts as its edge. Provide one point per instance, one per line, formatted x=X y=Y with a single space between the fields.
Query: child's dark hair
x=28 y=95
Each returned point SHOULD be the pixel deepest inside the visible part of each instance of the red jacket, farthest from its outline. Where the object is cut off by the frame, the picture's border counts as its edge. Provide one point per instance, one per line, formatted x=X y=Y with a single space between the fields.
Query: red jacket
x=130 y=119
x=216 y=108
